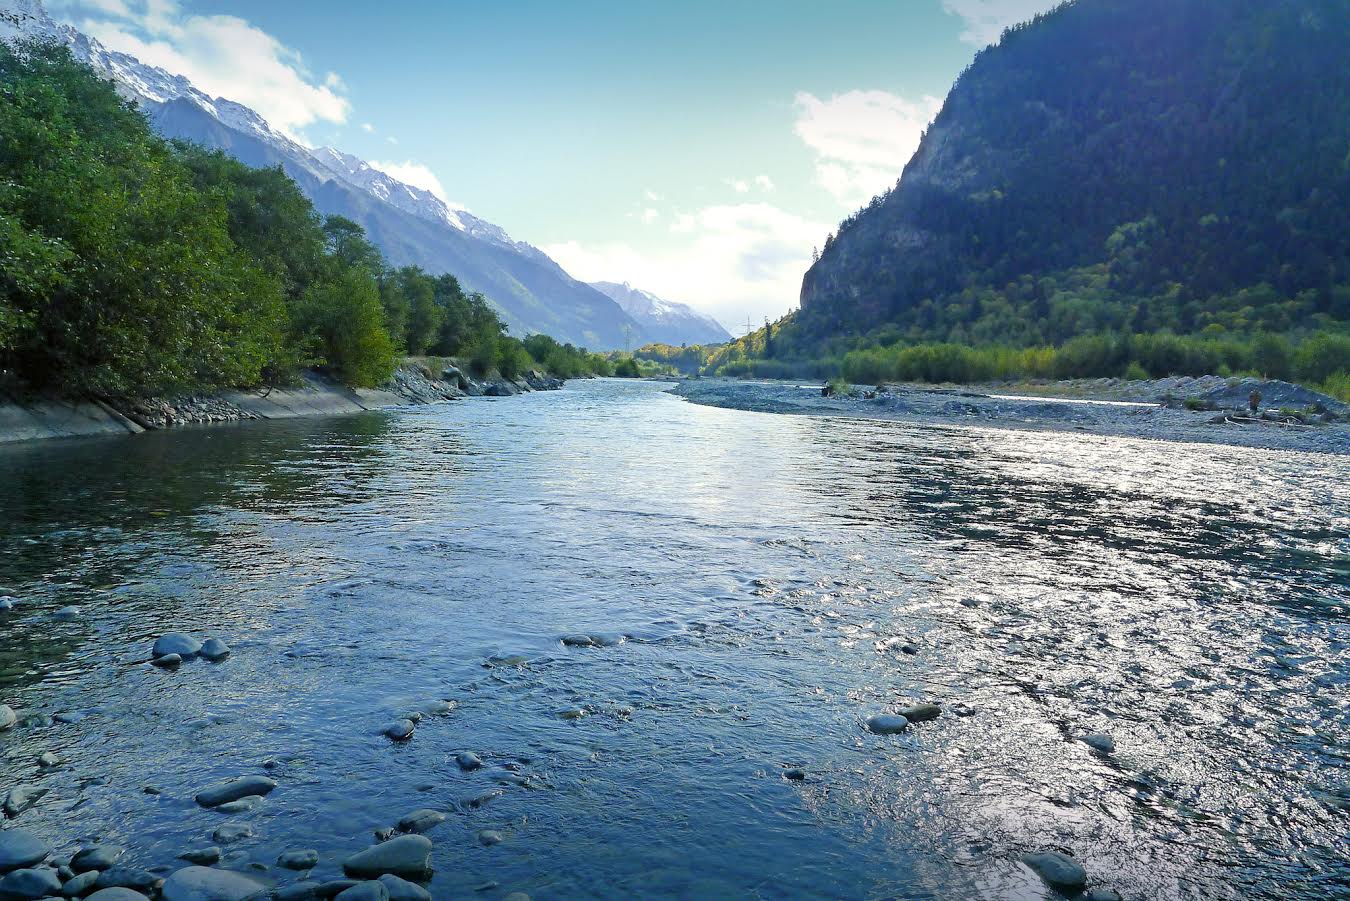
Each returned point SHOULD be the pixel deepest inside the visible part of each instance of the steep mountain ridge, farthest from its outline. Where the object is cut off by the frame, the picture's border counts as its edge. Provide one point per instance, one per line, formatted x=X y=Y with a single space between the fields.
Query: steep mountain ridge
x=664 y=321
x=1137 y=165
x=411 y=225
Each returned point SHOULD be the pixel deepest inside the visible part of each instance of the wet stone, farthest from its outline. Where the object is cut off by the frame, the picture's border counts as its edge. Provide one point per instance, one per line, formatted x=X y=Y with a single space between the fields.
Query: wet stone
x=214 y=649
x=399 y=730
x=299 y=891
x=126 y=877
x=168 y=661
x=306 y=859
x=35 y=883
x=489 y=837
x=243 y=805
x=334 y=887
x=422 y=820
x=95 y=857
x=80 y=884
x=887 y=724
x=176 y=643
x=20 y=848
x=403 y=890
x=1099 y=741
x=21 y=798
x=578 y=641
x=1057 y=870
x=408 y=856
x=366 y=891
x=234 y=789
x=47 y=760
x=206 y=884
x=794 y=774
x=202 y=856
x=117 y=894
x=67 y=613
x=468 y=761
x=231 y=833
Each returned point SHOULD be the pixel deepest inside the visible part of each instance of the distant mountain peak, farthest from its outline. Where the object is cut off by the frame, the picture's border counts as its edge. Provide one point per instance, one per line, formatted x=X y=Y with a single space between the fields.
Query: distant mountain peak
x=664 y=320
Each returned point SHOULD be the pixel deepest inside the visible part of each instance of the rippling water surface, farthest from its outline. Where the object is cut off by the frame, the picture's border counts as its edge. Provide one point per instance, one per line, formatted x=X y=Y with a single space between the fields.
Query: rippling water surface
x=766 y=571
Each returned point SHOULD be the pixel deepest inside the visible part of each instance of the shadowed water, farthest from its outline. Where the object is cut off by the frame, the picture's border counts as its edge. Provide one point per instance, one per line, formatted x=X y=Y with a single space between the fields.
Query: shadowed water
x=1191 y=601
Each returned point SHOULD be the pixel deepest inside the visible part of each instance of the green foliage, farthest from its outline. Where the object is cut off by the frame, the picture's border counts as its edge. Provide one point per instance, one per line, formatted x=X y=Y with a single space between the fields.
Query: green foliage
x=1322 y=358
x=627 y=368
x=564 y=360
x=343 y=320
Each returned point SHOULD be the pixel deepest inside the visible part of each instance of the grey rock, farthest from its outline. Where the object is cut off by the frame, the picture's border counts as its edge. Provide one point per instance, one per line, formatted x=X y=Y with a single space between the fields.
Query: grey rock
x=1057 y=870
x=202 y=856
x=231 y=833
x=794 y=774
x=126 y=877
x=306 y=859
x=366 y=891
x=20 y=848
x=176 y=643
x=243 y=805
x=403 y=890
x=299 y=891
x=69 y=717
x=334 y=887
x=921 y=712
x=234 y=789
x=489 y=837
x=214 y=649
x=6 y=603
x=21 y=798
x=572 y=713
x=35 y=883
x=399 y=730
x=7 y=717
x=168 y=661
x=81 y=884
x=469 y=761
x=47 y=760
x=1099 y=741
x=67 y=613
x=95 y=857
x=117 y=893
x=206 y=884
x=385 y=833
x=578 y=641
x=887 y=723
x=482 y=800
x=422 y=820
x=1102 y=894
x=408 y=856
x=608 y=639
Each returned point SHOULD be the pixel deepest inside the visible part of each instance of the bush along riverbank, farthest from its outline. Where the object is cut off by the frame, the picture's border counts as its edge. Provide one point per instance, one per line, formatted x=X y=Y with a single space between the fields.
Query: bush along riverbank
x=313 y=394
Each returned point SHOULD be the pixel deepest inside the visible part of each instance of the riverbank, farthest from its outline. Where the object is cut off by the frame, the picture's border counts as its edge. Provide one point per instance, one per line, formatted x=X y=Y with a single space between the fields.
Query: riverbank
x=1207 y=410
x=314 y=395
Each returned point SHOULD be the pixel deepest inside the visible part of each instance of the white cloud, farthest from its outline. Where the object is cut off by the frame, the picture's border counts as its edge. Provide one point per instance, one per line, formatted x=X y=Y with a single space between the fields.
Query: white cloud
x=225 y=56
x=986 y=19
x=415 y=174
x=764 y=183
x=649 y=216
x=367 y=127
x=392 y=140
x=862 y=139
x=739 y=185
x=730 y=260
x=651 y=195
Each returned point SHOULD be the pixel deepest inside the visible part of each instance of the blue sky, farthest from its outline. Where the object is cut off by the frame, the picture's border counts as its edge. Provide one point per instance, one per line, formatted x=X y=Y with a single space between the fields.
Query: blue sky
x=698 y=150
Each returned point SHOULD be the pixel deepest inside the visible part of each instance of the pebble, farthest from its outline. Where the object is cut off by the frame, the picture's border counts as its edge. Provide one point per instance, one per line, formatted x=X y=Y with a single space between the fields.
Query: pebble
x=214 y=649
x=80 y=884
x=67 y=613
x=403 y=890
x=921 y=712
x=232 y=832
x=176 y=643
x=406 y=856
x=36 y=883
x=168 y=661
x=234 y=789
x=202 y=856
x=20 y=848
x=1057 y=870
x=422 y=820
x=365 y=891
x=1099 y=741
x=116 y=894
x=887 y=723
x=95 y=857
x=7 y=717
x=206 y=884
x=399 y=730
x=469 y=761
x=306 y=859
x=489 y=837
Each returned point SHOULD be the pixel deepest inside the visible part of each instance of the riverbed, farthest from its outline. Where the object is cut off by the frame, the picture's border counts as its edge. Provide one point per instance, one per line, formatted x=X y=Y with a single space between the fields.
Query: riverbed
x=756 y=585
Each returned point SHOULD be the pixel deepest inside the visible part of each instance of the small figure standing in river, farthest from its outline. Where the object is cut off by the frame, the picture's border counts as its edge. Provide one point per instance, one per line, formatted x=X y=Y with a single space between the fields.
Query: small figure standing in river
x=1254 y=401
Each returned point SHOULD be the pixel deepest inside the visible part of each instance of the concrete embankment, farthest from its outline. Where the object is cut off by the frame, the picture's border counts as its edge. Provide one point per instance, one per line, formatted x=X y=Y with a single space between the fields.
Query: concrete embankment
x=315 y=395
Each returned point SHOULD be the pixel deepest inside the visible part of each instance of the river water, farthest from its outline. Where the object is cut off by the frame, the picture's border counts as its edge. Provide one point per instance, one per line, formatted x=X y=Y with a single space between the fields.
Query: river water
x=1190 y=601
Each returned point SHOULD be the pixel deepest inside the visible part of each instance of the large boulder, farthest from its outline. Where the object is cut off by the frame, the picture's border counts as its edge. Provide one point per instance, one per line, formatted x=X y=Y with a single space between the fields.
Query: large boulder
x=184 y=646
x=206 y=884
x=7 y=717
x=37 y=883
x=21 y=848
x=1057 y=870
x=234 y=789
x=408 y=856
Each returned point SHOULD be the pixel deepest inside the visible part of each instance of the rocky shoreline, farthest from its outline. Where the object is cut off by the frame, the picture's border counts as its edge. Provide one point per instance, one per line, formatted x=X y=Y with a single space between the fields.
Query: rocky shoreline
x=1209 y=410
x=314 y=395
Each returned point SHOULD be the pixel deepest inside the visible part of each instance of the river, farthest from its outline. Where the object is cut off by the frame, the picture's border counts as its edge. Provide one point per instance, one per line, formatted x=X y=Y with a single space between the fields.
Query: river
x=765 y=573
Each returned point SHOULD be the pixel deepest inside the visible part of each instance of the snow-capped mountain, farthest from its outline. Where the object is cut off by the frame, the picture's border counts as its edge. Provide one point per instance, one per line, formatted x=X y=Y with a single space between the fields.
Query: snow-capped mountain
x=411 y=225
x=664 y=321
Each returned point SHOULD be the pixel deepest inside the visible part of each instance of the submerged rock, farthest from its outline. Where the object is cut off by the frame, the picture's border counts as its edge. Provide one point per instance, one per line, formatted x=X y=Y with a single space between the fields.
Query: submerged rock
x=176 y=643
x=20 y=848
x=206 y=884
x=95 y=857
x=306 y=859
x=67 y=613
x=234 y=789
x=403 y=890
x=468 y=761
x=168 y=661
x=1057 y=870
x=921 y=712
x=232 y=832
x=21 y=798
x=1099 y=741
x=578 y=641
x=36 y=883
x=421 y=820
x=202 y=856
x=243 y=805
x=489 y=837
x=794 y=774
x=408 y=856
x=399 y=730
x=47 y=760
x=214 y=649
x=887 y=723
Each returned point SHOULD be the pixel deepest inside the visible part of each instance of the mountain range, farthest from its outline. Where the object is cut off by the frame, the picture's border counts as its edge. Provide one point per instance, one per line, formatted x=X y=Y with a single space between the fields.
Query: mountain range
x=664 y=321
x=411 y=226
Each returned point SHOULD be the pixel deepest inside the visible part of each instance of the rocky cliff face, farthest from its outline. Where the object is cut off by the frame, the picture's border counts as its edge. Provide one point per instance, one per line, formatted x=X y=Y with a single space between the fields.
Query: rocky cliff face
x=1223 y=123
